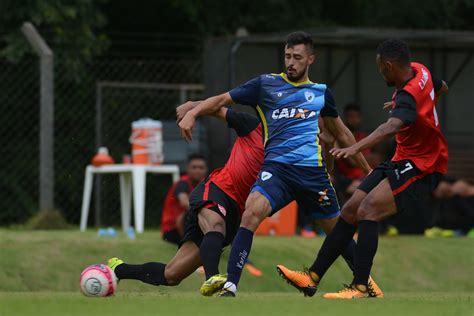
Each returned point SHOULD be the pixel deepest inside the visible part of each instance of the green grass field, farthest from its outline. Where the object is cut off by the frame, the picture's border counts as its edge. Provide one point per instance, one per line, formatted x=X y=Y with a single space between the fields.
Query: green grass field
x=39 y=274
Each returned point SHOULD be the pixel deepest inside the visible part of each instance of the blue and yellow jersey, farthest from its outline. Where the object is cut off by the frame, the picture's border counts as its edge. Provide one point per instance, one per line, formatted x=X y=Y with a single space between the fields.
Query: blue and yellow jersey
x=289 y=113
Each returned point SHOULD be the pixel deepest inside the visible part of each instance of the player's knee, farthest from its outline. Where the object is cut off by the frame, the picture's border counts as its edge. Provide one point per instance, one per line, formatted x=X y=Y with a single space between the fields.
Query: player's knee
x=349 y=212
x=252 y=218
x=218 y=226
x=367 y=210
x=172 y=276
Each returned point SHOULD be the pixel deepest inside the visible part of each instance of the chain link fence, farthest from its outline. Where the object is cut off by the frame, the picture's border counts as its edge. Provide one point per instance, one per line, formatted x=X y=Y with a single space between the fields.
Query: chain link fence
x=93 y=107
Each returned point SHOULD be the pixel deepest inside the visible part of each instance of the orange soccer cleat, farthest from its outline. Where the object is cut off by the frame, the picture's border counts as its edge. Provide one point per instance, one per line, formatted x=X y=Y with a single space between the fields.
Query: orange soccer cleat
x=348 y=292
x=373 y=289
x=302 y=280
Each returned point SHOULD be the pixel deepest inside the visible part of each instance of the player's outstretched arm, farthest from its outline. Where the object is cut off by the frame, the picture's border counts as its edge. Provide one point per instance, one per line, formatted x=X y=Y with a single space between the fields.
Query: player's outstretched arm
x=345 y=138
x=188 y=106
x=381 y=133
x=207 y=106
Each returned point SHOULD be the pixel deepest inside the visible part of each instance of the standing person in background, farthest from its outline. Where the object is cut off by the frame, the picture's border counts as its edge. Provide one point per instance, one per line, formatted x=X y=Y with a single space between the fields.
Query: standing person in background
x=177 y=199
x=349 y=174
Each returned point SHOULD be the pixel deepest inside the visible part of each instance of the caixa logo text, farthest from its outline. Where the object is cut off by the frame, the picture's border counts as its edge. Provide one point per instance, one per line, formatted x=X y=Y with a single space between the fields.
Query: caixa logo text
x=292 y=113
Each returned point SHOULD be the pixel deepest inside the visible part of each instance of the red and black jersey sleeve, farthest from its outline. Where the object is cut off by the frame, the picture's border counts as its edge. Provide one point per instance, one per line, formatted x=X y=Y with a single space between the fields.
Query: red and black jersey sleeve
x=405 y=108
x=242 y=123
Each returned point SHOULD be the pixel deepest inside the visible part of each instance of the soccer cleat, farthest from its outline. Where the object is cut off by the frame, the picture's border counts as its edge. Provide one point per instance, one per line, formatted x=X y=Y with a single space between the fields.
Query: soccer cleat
x=348 y=292
x=114 y=263
x=228 y=290
x=226 y=293
x=301 y=280
x=213 y=284
x=373 y=289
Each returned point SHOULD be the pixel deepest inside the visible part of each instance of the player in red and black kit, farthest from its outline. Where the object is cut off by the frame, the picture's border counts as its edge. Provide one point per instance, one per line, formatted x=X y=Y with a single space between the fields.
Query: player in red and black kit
x=215 y=208
x=405 y=182
x=177 y=199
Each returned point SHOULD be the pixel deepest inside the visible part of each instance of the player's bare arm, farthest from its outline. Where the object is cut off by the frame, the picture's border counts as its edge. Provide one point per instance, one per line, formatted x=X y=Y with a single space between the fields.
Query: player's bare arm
x=183 y=200
x=345 y=138
x=188 y=106
x=328 y=142
x=383 y=132
x=205 y=107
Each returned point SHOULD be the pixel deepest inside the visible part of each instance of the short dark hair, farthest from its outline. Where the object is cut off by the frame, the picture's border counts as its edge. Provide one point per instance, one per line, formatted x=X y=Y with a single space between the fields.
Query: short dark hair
x=352 y=107
x=394 y=50
x=300 y=37
x=196 y=156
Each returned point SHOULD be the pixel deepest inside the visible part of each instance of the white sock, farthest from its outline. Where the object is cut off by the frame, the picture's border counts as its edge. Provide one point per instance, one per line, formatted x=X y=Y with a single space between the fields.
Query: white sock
x=229 y=286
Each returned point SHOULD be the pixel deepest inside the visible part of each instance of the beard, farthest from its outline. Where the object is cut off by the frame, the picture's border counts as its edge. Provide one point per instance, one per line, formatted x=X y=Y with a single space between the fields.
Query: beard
x=389 y=83
x=295 y=76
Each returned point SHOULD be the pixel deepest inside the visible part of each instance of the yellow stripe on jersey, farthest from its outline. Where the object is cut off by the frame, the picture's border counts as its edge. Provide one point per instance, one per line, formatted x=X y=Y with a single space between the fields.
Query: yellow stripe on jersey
x=320 y=154
x=296 y=84
x=264 y=123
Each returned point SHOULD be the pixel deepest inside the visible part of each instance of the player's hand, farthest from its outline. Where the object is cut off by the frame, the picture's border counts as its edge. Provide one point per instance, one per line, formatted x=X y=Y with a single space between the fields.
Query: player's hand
x=344 y=152
x=186 y=125
x=183 y=109
x=388 y=105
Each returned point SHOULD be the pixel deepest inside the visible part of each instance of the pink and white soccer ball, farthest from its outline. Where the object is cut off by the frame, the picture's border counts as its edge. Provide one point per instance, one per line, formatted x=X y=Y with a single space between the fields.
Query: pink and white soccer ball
x=98 y=280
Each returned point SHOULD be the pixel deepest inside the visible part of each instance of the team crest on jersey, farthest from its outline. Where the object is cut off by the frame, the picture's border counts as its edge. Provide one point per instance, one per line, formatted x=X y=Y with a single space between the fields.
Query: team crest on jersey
x=266 y=175
x=309 y=96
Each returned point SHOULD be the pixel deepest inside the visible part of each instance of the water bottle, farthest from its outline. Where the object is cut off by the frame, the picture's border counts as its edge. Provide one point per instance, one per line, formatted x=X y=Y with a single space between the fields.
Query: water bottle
x=111 y=232
x=130 y=233
x=102 y=232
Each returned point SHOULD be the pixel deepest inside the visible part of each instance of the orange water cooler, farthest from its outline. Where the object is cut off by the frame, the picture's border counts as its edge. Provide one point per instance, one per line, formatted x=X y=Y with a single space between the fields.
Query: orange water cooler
x=282 y=223
x=147 y=142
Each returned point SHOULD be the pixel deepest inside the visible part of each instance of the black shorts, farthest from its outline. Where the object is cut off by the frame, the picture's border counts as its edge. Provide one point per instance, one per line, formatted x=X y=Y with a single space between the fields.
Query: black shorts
x=411 y=188
x=210 y=196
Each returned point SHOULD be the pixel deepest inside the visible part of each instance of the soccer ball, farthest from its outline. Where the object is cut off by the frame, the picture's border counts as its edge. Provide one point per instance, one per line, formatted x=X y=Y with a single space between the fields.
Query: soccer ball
x=98 y=280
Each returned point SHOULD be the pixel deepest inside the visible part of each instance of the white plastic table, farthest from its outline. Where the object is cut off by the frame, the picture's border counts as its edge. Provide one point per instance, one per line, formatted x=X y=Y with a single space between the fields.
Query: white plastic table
x=131 y=175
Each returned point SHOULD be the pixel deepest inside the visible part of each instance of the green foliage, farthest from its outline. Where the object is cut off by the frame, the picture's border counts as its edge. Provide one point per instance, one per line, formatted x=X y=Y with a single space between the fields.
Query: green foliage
x=224 y=17
x=71 y=27
x=47 y=220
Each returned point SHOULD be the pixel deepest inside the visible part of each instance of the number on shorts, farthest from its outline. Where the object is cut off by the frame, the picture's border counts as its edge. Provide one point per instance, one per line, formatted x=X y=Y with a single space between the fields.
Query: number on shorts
x=408 y=166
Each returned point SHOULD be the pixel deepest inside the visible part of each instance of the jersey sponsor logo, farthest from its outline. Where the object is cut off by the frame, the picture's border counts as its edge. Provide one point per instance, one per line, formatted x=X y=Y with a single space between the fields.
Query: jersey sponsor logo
x=424 y=78
x=270 y=76
x=293 y=113
x=266 y=175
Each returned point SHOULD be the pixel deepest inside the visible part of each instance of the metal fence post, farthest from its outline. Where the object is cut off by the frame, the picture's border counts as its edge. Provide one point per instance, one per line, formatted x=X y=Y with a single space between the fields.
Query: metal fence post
x=46 y=174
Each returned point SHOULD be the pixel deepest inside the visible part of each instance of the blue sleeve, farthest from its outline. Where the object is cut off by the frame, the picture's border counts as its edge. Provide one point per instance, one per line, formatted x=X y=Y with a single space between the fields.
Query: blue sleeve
x=329 y=108
x=247 y=93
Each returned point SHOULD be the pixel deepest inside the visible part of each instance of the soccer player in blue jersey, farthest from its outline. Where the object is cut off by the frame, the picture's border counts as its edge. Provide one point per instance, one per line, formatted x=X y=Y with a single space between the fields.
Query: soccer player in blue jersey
x=289 y=106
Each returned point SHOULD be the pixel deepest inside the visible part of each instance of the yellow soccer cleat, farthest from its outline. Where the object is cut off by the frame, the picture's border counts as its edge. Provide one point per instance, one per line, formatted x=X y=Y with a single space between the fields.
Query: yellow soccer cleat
x=213 y=285
x=348 y=292
x=114 y=263
x=302 y=280
x=373 y=289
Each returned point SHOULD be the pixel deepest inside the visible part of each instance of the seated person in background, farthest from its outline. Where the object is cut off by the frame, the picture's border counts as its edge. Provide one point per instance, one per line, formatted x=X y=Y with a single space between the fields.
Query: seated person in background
x=455 y=211
x=348 y=176
x=177 y=199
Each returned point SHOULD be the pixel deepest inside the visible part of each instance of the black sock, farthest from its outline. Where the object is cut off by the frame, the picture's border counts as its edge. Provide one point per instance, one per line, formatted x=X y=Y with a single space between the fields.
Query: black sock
x=367 y=243
x=210 y=251
x=152 y=272
x=349 y=254
x=334 y=244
